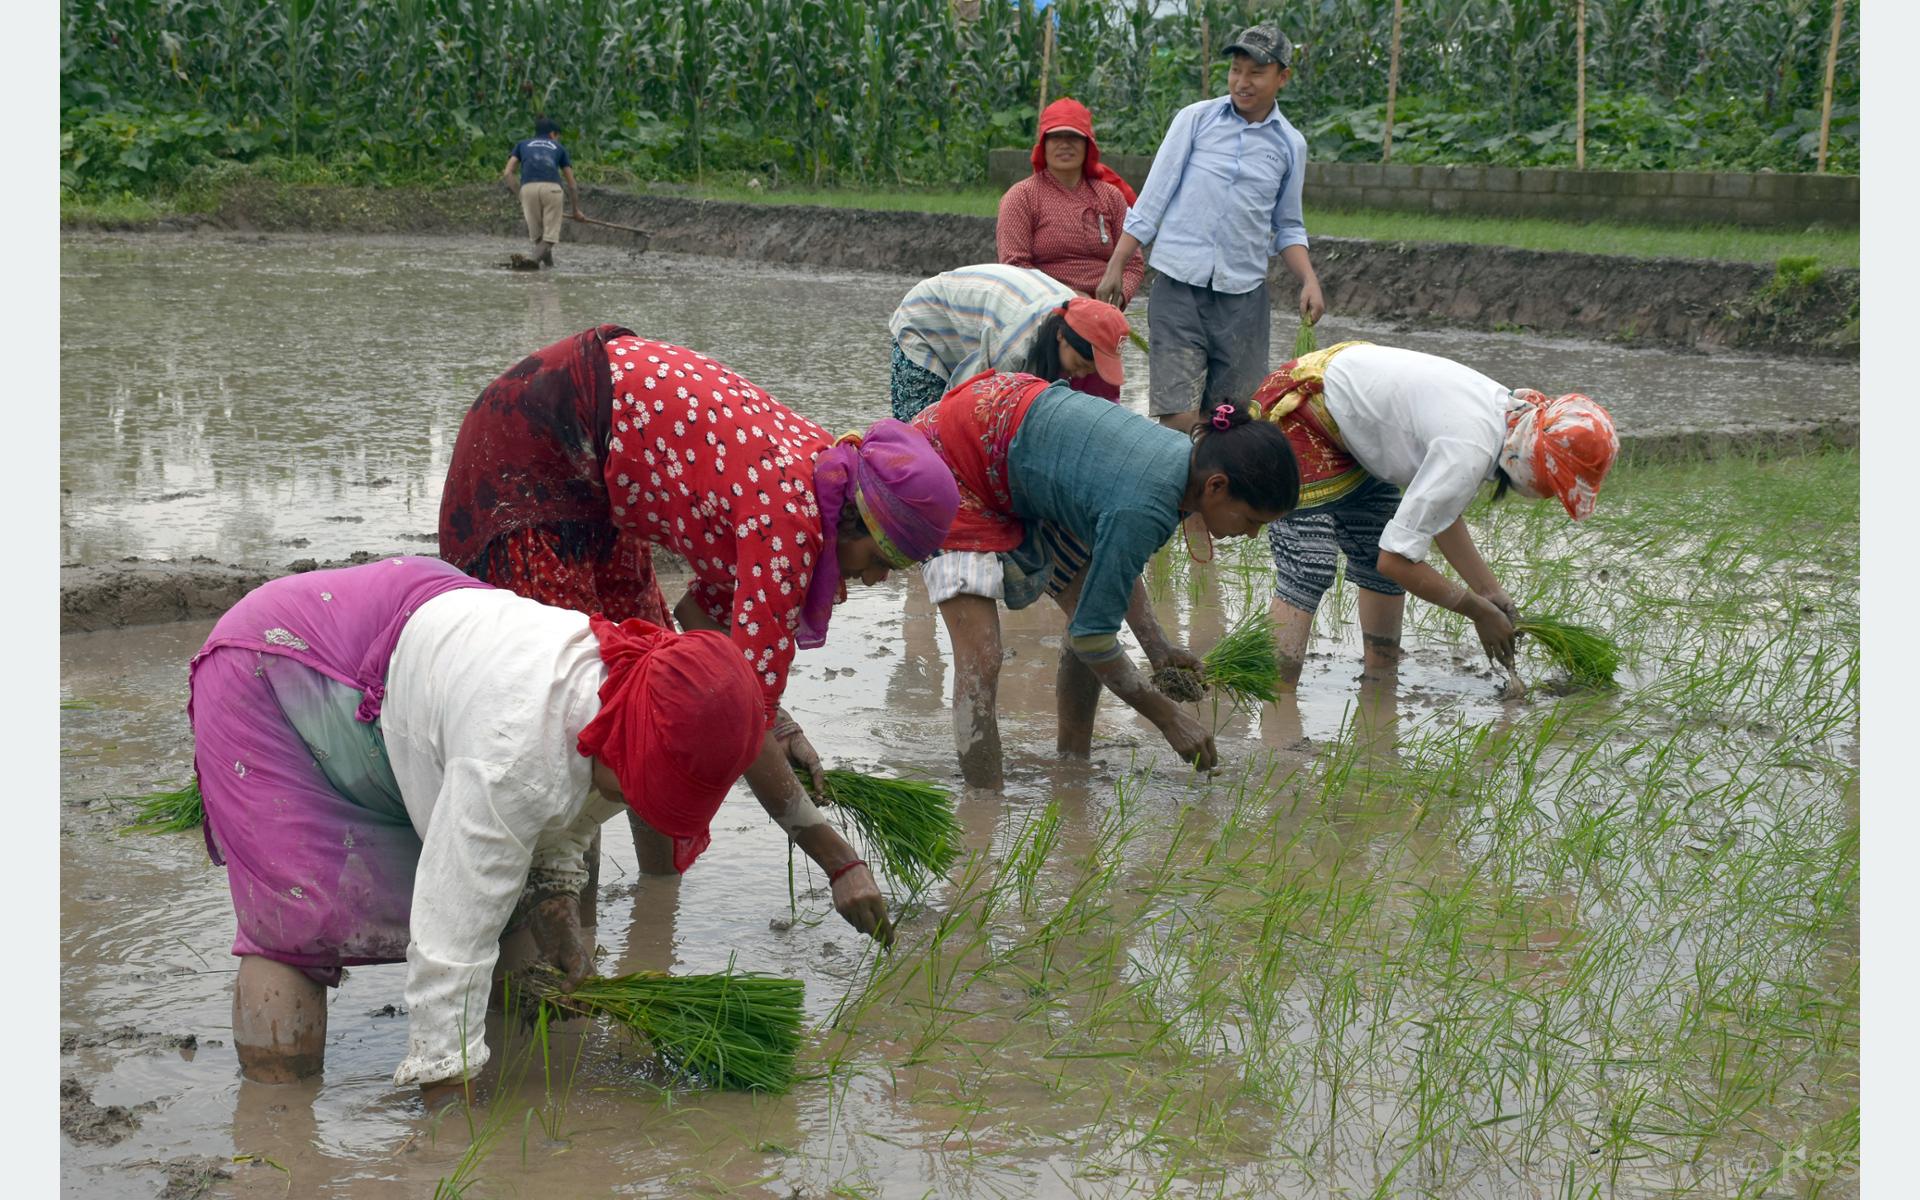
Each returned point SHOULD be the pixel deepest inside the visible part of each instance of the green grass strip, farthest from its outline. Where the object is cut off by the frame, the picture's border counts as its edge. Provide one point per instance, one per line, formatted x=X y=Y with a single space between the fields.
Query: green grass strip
x=1587 y=655
x=908 y=823
x=167 y=812
x=1244 y=664
x=737 y=1030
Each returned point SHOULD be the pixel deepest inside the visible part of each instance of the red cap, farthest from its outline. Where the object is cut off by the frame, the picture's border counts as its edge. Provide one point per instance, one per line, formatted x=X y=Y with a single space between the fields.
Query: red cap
x=1103 y=327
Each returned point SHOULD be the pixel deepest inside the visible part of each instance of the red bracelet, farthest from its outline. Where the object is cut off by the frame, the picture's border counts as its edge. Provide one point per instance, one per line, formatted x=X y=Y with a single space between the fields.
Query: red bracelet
x=843 y=868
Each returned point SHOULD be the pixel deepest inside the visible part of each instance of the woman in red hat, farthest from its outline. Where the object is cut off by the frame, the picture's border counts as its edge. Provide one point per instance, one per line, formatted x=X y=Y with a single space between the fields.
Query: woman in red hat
x=399 y=763
x=1065 y=217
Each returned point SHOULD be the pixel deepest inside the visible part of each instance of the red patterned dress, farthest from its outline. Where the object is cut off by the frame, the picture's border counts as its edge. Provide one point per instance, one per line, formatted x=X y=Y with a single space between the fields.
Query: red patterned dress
x=702 y=461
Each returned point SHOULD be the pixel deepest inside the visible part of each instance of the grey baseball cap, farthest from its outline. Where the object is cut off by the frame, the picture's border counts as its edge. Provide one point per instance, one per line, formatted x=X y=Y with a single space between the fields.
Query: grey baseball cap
x=1264 y=44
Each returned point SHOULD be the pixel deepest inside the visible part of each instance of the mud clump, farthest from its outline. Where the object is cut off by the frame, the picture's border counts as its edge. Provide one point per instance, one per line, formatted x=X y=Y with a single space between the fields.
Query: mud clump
x=84 y=1121
x=192 y=1178
x=127 y=1037
x=1182 y=684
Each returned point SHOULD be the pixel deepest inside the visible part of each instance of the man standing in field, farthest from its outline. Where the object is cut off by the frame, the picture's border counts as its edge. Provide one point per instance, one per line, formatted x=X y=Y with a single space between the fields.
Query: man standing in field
x=1223 y=195
x=534 y=170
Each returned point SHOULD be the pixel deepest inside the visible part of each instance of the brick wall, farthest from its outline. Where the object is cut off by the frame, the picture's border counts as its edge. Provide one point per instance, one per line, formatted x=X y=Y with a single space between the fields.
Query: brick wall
x=1653 y=197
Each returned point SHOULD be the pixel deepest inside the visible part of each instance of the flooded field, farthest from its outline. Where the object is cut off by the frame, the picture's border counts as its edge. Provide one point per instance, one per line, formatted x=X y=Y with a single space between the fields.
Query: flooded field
x=1412 y=939
x=260 y=400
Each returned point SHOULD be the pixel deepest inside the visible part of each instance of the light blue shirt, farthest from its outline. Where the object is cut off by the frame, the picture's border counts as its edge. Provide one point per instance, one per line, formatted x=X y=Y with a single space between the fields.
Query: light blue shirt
x=1222 y=198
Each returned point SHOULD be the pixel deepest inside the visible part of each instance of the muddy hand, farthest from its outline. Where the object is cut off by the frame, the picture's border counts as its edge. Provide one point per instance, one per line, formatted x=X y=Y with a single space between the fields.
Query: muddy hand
x=1496 y=633
x=857 y=898
x=1191 y=741
x=555 y=924
x=1179 y=657
x=1108 y=290
x=1312 y=305
x=1499 y=599
x=800 y=752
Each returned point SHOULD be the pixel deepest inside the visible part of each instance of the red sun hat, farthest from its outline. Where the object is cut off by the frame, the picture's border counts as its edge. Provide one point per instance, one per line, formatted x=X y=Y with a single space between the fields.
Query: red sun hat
x=1103 y=327
x=1067 y=115
x=680 y=720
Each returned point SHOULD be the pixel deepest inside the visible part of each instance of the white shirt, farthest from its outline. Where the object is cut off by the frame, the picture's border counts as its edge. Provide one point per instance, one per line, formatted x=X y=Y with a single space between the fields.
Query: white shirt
x=485 y=699
x=1427 y=424
x=973 y=319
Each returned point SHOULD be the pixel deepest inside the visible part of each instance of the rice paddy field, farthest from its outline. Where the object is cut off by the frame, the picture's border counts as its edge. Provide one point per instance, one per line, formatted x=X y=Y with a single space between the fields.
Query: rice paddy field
x=1414 y=939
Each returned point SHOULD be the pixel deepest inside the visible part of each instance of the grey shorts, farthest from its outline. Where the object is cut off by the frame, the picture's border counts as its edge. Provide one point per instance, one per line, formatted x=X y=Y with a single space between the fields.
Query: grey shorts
x=1307 y=544
x=1207 y=347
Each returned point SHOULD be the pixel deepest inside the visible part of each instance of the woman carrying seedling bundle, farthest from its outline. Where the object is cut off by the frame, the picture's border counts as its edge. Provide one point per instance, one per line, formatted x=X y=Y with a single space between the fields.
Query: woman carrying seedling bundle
x=993 y=317
x=400 y=762
x=1032 y=457
x=627 y=442
x=1392 y=446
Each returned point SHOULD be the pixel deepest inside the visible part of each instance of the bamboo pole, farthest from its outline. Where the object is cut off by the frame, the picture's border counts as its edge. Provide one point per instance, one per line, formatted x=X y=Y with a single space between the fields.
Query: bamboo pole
x=1580 y=102
x=1393 y=83
x=1826 y=102
x=1046 y=64
x=1206 y=40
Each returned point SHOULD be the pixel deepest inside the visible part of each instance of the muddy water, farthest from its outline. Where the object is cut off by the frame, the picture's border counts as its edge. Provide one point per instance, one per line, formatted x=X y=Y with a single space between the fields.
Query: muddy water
x=259 y=400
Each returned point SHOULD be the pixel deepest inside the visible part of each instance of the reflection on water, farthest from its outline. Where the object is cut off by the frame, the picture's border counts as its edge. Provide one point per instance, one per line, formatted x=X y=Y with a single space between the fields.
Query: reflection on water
x=259 y=400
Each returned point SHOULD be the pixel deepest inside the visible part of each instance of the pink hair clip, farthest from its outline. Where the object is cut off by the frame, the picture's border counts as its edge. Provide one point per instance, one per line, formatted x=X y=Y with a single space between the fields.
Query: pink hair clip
x=1222 y=417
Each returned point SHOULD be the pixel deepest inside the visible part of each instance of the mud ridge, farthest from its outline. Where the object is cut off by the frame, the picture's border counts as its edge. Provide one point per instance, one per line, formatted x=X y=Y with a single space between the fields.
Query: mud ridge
x=1685 y=303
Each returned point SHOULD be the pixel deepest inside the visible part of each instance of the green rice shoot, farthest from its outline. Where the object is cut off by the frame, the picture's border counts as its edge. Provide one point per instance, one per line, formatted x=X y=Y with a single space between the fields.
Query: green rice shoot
x=168 y=812
x=737 y=1030
x=1588 y=656
x=1139 y=342
x=1244 y=663
x=1304 y=342
x=909 y=824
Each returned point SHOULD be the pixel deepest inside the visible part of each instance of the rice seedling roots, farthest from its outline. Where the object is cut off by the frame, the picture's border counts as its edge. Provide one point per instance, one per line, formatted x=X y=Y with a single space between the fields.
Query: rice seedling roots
x=1180 y=684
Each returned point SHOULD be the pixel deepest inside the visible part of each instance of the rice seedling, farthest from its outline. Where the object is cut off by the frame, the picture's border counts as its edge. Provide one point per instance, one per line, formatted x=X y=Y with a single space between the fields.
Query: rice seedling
x=733 y=1029
x=167 y=812
x=1587 y=655
x=909 y=824
x=1305 y=342
x=1243 y=664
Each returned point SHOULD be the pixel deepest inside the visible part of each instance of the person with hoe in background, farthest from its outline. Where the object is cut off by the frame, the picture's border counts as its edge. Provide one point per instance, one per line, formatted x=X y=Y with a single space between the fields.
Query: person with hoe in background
x=1222 y=197
x=1063 y=219
x=534 y=171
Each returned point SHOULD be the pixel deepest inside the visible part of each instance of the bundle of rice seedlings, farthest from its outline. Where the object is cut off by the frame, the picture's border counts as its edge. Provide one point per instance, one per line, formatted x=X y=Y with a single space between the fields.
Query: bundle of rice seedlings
x=1304 y=342
x=1588 y=656
x=736 y=1029
x=1180 y=684
x=1244 y=664
x=908 y=823
x=168 y=812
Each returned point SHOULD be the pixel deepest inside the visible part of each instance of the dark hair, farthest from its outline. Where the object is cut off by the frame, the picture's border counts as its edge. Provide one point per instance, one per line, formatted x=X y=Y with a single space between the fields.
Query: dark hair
x=544 y=125
x=1255 y=456
x=1043 y=361
x=852 y=525
x=1503 y=482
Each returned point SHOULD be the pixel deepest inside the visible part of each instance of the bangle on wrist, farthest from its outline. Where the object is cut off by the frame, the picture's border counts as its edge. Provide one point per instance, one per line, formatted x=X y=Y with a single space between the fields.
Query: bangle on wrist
x=842 y=869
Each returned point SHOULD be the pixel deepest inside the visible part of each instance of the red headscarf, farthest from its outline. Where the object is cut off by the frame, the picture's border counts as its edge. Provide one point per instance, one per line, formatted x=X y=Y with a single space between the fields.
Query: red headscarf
x=1561 y=447
x=1066 y=115
x=680 y=719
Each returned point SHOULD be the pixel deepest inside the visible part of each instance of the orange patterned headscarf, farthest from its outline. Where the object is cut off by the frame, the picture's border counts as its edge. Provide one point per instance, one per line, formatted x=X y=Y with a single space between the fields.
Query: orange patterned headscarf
x=1561 y=447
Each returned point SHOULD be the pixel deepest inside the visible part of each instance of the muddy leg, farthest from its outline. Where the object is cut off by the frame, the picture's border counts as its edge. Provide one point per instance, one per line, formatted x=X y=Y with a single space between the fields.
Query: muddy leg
x=1380 y=618
x=973 y=623
x=653 y=848
x=1292 y=627
x=590 y=892
x=546 y=253
x=1076 y=687
x=279 y=1021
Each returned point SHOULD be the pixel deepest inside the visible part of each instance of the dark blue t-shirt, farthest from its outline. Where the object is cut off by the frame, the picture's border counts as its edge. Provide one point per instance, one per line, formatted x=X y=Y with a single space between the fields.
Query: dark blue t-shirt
x=541 y=159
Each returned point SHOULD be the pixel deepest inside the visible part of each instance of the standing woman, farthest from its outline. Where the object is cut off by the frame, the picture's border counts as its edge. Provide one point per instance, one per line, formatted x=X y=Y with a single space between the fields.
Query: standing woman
x=771 y=513
x=993 y=317
x=1064 y=218
x=1393 y=445
x=1033 y=457
x=400 y=763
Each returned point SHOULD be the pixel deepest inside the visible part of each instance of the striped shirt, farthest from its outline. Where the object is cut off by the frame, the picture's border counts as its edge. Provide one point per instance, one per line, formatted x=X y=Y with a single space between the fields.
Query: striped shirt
x=1223 y=197
x=974 y=319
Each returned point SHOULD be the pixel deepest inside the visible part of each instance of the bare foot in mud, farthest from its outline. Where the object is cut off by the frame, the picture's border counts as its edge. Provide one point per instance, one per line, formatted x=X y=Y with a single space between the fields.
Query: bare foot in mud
x=1181 y=684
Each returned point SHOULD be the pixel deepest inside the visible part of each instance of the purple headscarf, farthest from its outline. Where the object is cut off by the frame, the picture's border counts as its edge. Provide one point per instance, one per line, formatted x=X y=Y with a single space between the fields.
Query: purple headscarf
x=905 y=493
